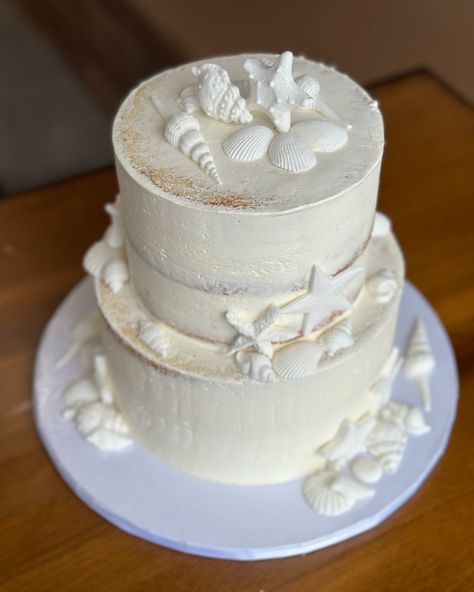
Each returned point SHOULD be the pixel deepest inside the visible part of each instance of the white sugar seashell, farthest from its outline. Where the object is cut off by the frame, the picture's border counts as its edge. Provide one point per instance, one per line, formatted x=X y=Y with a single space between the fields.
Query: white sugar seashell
x=115 y=234
x=387 y=442
x=89 y=417
x=108 y=441
x=113 y=421
x=96 y=258
x=77 y=394
x=182 y=131
x=331 y=494
x=248 y=144
x=102 y=379
x=218 y=97
x=337 y=338
x=309 y=85
x=420 y=362
x=382 y=286
x=188 y=100
x=320 y=135
x=366 y=469
x=154 y=336
x=382 y=225
x=287 y=151
x=297 y=360
x=116 y=274
x=350 y=439
x=256 y=366
x=406 y=417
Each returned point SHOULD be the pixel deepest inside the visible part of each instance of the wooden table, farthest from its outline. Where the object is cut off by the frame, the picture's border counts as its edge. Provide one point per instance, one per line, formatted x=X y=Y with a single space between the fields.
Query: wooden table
x=51 y=541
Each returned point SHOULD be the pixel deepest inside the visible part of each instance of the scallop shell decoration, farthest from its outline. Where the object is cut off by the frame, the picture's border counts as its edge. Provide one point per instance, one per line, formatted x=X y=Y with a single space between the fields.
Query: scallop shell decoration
x=320 y=135
x=287 y=151
x=382 y=286
x=97 y=257
x=256 y=366
x=154 y=336
x=216 y=95
x=248 y=144
x=387 y=442
x=115 y=274
x=337 y=338
x=297 y=360
x=183 y=131
x=332 y=494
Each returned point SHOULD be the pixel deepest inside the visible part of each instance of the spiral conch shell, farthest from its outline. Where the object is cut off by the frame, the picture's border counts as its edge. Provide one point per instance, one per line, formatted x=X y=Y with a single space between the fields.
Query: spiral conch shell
x=183 y=131
x=216 y=95
x=256 y=366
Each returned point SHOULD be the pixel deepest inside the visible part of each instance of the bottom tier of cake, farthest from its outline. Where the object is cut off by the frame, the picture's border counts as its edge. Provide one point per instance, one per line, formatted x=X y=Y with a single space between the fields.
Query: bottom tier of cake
x=198 y=410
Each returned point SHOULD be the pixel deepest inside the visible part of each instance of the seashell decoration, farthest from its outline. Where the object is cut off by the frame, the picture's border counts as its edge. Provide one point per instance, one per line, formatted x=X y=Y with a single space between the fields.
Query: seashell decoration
x=77 y=394
x=297 y=360
x=382 y=286
x=248 y=144
x=337 y=338
x=115 y=274
x=387 y=442
x=115 y=235
x=102 y=380
x=154 y=336
x=382 y=387
x=187 y=100
x=256 y=366
x=382 y=225
x=332 y=494
x=96 y=258
x=407 y=417
x=320 y=135
x=288 y=152
x=217 y=96
x=84 y=332
x=309 y=85
x=349 y=441
x=182 y=131
x=366 y=469
x=420 y=362
x=108 y=440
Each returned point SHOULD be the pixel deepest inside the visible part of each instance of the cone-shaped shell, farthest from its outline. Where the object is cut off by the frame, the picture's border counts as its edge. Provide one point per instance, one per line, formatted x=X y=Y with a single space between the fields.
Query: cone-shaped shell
x=382 y=225
x=320 y=135
x=116 y=274
x=248 y=144
x=153 y=335
x=287 y=151
x=177 y=125
x=337 y=338
x=419 y=359
x=297 y=360
x=308 y=84
x=96 y=258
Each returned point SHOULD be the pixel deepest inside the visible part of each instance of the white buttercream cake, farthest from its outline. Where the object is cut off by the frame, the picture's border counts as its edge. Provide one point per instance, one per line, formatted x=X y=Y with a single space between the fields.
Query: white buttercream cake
x=248 y=289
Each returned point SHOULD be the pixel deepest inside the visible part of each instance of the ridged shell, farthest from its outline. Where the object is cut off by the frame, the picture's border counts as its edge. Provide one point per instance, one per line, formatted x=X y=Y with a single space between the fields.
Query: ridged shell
x=407 y=417
x=97 y=256
x=382 y=286
x=153 y=335
x=337 y=338
x=108 y=441
x=188 y=100
x=387 y=442
x=308 y=84
x=366 y=469
x=116 y=274
x=77 y=394
x=102 y=380
x=320 y=135
x=287 y=151
x=297 y=360
x=382 y=225
x=256 y=366
x=331 y=494
x=248 y=144
x=420 y=362
x=177 y=125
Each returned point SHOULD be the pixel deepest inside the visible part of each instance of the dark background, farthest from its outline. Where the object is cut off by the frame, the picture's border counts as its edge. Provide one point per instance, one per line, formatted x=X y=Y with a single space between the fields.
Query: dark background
x=65 y=66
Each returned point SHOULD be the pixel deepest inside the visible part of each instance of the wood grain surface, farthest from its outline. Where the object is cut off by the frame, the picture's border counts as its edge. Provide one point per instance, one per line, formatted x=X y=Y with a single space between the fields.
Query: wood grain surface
x=51 y=541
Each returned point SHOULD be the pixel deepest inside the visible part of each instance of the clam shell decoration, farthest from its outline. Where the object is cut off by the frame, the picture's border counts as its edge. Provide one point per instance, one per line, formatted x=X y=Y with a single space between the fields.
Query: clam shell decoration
x=217 y=96
x=248 y=144
x=387 y=442
x=382 y=286
x=182 y=131
x=256 y=366
x=297 y=360
x=320 y=135
x=96 y=258
x=366 y=469
x=337 y=338
x=154 y=336
x=115 y=274
x=287 y=151
x=332 y=494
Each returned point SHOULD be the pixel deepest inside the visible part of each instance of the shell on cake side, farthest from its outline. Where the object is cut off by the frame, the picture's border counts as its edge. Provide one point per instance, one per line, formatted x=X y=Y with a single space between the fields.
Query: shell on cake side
x=297 y=360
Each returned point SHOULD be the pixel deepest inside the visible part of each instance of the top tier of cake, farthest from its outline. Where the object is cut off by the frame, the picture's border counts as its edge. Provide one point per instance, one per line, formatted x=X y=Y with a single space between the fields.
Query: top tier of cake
x=198 y=247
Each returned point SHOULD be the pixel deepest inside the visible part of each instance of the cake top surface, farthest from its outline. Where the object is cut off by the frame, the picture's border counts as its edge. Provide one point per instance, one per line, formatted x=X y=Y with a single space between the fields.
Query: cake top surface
x=194 y=159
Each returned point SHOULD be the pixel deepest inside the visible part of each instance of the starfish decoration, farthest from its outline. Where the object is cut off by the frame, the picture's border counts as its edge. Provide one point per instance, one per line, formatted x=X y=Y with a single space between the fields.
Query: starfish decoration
x=275 y=90
x=349 y=441
x=324 y=297
x=258 y=334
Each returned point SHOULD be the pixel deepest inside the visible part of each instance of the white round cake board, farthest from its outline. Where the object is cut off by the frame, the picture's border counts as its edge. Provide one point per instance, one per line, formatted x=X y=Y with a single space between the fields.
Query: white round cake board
x=147 y=498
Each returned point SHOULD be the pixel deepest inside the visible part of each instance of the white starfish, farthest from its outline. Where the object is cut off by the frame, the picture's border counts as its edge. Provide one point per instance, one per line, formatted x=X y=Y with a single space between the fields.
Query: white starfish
x=324 y=297
x=274 y=89
x=259 y=333
x=349 y=441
